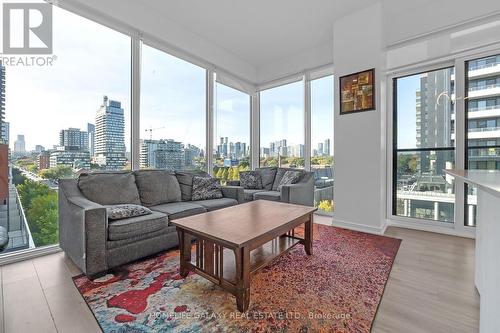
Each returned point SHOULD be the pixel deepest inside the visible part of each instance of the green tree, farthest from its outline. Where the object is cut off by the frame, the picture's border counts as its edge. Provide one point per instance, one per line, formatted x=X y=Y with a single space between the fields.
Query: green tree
x=42 y=216
x=225 y=173
x=230 y=173
x=17 y=177
x=59 y=172
x=220 y=173
x=29 y=190
x=236 y=173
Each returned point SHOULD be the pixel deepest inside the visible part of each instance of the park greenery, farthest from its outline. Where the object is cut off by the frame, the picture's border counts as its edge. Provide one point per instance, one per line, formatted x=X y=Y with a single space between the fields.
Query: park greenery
x=59 y=172
x=407 y=164
x=40 y=207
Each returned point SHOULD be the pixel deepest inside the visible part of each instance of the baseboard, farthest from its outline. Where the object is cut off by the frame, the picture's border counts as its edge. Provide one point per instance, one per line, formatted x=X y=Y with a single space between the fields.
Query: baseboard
x=359 y=227
x=432 y=228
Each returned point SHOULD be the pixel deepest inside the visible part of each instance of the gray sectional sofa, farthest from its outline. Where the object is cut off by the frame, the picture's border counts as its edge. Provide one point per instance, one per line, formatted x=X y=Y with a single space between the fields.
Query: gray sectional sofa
x=301 y=193
x=96 y=244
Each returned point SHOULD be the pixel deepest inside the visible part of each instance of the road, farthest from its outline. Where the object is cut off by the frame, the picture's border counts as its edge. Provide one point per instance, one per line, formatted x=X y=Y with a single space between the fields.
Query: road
x=34 y=177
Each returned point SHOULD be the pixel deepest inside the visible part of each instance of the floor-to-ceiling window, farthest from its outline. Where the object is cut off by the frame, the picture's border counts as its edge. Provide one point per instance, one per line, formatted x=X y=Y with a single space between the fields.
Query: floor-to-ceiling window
x=231 y=133
x=424 y=145
x=172 y=112
x=482 y=106
x=322 y=142
x=282 y=126
x=63 y=114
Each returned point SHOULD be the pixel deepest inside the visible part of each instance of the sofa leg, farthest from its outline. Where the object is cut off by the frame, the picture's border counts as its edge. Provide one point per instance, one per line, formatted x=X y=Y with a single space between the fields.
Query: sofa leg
x=97 y=275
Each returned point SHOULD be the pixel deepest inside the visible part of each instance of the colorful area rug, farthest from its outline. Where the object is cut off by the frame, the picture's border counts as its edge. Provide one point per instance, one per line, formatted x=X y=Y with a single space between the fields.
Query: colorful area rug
x=337 y=289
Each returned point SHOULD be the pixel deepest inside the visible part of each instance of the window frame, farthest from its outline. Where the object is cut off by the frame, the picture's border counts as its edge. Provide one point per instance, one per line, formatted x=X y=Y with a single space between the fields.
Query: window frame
x=396 y=150
x=459 y=227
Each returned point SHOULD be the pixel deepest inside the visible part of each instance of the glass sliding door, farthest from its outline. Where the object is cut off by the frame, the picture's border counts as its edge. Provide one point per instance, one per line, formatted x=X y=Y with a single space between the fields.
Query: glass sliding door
x=322 y=142
x=482 y=114
x=282 y=126
x=231 y=133
x=173 y=112
x=60 y=120
x=424 y=145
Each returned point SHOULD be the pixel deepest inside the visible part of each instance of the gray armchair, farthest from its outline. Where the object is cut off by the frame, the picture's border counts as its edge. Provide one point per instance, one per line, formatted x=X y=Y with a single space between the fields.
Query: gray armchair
x=301 y=193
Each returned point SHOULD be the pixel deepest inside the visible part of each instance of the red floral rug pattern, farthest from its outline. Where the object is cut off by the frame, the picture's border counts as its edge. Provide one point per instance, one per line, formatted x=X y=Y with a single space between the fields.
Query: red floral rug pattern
x=337 y=289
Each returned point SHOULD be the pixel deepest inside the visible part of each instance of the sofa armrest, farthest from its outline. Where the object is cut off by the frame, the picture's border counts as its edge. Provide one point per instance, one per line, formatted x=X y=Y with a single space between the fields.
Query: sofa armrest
x=234 y=192
x=82 y=230
x=301 y=194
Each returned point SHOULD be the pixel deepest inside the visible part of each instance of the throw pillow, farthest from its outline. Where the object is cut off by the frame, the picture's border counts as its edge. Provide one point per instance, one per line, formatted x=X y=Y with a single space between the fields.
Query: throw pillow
x=119 y=212
x=205 y=189
x=277 y=179
x=251 y=180
x=290 y=177
x=267 y=175
x=185 y=179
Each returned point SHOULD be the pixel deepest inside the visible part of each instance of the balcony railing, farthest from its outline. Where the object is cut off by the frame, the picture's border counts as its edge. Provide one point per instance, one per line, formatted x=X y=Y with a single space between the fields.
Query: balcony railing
x=484 y=87
x=484 y=129
x=492 y=107
x=483 y=65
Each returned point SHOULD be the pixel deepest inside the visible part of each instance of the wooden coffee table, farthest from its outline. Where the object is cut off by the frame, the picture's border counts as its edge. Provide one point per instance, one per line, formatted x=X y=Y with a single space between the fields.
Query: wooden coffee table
x=235 y=242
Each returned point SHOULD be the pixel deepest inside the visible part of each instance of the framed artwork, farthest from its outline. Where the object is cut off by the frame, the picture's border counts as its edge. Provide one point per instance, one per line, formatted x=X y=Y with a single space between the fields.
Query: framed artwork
x=357 y=92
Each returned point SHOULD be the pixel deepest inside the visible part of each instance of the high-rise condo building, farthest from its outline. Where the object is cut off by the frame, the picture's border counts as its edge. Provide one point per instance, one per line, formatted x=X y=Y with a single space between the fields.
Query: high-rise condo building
x=2 y=104
x=326 y=147
x=161 y=154
x=110 y=135
x=484 y=113
x=91 y=138
x=434 y=109
x=74 y=139
x=5 y=132
x=20 y=144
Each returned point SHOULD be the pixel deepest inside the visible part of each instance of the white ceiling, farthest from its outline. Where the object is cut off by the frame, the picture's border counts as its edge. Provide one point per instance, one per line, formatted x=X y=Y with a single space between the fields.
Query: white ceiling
x=259 y=31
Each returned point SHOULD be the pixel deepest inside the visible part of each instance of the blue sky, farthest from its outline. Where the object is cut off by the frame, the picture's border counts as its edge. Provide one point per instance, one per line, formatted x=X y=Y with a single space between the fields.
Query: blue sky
x=406 y=90
x=40 y=101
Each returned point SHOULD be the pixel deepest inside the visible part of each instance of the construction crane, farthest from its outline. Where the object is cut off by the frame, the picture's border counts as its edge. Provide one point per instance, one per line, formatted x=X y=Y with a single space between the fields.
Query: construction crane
x=151 y=129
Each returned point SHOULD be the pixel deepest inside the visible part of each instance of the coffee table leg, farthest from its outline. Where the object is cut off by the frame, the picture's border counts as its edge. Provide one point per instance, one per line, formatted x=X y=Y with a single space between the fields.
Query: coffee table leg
x=185 y=252
x=308 y=241
x=243 y=278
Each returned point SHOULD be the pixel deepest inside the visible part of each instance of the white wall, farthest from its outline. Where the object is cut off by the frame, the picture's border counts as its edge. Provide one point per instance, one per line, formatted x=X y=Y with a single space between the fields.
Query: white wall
x=359 y=137
x=407 y=19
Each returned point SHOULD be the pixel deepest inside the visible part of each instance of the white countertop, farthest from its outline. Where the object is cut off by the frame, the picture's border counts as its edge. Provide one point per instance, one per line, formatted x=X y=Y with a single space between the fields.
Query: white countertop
x=488 y=180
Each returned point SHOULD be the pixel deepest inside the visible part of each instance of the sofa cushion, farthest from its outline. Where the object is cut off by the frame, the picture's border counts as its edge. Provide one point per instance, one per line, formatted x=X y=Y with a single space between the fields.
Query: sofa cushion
x=125 y=211
x=109 y=188
x=185 y=179
x=135 y=226
x=248 y=194
x=177 y=210
x=290 y=177
x=251 y=180
x=205 y=189
x=215 y=204
x=157 y=187
x=268 y=195
x=267 y=175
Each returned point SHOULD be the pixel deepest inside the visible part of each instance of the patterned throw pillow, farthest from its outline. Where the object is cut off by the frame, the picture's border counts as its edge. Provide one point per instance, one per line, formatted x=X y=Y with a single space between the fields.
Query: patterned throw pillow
x=125 y=211
x=205 y=189
x=251 y=180
x=290 y=177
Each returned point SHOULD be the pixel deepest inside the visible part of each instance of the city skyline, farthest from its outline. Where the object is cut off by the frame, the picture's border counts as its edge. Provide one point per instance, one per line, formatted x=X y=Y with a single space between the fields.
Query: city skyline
x=172 y=91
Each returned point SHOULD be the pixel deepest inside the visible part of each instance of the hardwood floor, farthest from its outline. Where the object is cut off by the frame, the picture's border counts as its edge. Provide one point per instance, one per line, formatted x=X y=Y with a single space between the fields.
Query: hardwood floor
x=430 y=290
